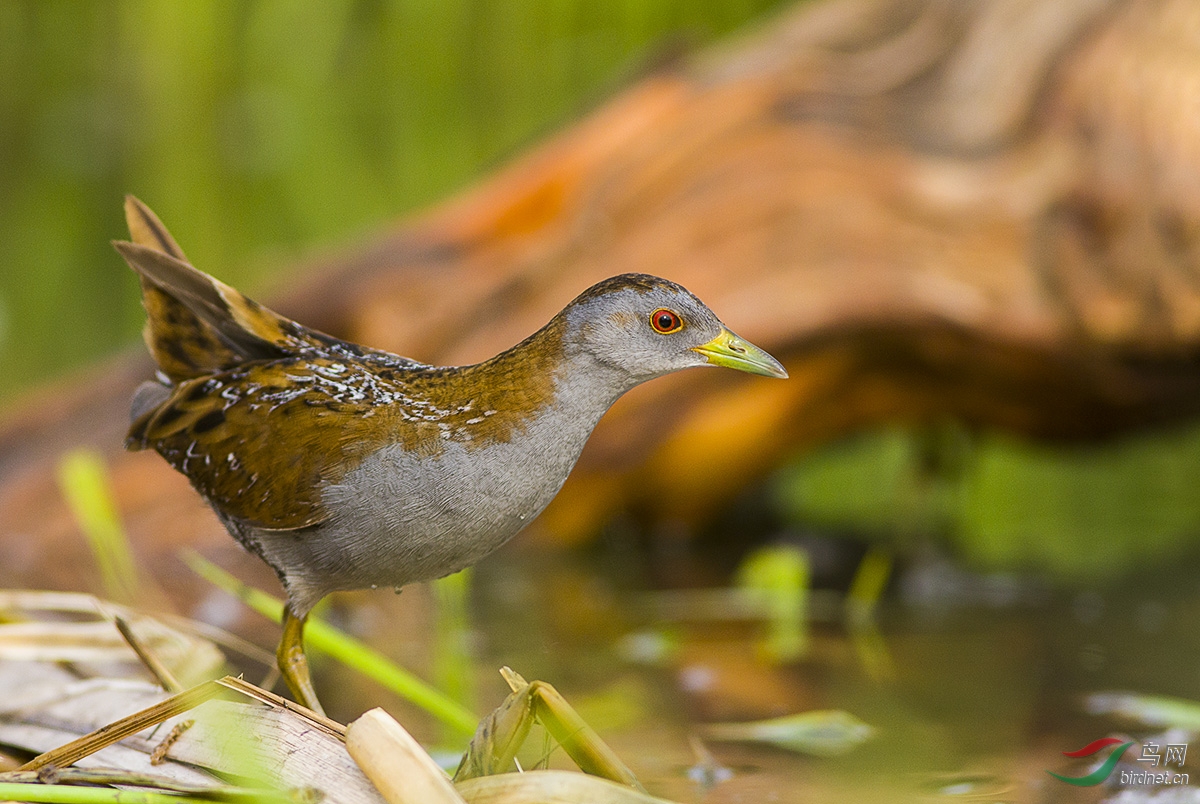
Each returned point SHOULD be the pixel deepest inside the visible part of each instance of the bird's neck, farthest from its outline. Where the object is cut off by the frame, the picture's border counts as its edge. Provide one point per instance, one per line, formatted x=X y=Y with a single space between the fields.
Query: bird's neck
x=548 y=376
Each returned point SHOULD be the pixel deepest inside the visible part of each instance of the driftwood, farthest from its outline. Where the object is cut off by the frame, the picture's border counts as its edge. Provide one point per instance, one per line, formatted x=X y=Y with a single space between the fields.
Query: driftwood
x=981 y=210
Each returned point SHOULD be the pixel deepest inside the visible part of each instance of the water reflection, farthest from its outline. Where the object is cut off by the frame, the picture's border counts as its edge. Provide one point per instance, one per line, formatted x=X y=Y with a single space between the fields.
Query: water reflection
x=985 y=692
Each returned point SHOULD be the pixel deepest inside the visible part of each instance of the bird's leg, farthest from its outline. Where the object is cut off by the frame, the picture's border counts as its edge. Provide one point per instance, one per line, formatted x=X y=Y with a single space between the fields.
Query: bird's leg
x=293 y=664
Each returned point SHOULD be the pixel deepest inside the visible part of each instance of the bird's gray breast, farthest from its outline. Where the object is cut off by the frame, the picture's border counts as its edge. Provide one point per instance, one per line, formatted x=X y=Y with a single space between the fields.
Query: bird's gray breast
x=401 y=517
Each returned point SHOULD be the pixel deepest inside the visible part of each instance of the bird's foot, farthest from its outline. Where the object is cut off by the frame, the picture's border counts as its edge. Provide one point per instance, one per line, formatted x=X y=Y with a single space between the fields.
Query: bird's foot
x=293 y=664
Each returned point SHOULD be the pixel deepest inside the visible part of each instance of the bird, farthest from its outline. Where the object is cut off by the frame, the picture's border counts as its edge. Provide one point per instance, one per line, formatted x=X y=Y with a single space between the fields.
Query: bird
x=346 y=467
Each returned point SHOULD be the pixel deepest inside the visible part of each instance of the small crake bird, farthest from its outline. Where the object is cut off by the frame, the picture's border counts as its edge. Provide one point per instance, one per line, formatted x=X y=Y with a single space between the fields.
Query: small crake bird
x=346 y=467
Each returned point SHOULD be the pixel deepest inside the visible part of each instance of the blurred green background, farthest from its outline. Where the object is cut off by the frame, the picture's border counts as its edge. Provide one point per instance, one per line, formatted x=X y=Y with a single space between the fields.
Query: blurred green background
x=261 y=131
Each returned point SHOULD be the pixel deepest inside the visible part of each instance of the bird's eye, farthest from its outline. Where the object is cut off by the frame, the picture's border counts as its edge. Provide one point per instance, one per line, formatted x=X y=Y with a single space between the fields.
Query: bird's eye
x=665 y=321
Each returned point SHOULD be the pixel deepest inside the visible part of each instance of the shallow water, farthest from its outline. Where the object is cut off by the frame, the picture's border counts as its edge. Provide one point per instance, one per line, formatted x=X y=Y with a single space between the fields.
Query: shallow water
x=973 y=690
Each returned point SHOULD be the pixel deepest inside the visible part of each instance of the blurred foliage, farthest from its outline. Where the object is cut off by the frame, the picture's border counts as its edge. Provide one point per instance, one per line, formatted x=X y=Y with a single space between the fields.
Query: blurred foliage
x=781 y=575
x=271 y=126
x=1080 y=514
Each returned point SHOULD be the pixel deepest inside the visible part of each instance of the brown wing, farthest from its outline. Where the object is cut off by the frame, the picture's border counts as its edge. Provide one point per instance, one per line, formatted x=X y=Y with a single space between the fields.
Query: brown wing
x=260 y=409
x=258 y=441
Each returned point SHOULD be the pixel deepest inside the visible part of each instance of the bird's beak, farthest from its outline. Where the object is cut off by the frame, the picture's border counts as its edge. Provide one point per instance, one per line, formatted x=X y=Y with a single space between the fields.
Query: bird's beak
x=732 y=352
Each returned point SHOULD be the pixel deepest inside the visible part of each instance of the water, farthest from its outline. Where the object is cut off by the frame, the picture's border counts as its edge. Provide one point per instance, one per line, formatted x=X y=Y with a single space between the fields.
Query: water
x=972 y=697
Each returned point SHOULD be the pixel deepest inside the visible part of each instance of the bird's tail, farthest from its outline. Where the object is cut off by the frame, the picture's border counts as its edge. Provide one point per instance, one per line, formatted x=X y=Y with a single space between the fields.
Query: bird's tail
x=195 y=324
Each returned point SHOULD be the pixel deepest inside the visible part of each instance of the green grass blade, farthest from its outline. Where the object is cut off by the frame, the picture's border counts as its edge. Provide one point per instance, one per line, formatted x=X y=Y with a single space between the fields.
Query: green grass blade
x=453 y=669
x=83 y=479
x=73 y=794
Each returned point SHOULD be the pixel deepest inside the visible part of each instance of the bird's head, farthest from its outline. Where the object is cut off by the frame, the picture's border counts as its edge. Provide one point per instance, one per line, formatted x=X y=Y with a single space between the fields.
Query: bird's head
x=644 y=327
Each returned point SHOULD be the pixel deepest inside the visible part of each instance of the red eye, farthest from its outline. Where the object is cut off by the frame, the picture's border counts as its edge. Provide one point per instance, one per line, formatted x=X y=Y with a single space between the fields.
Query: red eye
x=665 y=321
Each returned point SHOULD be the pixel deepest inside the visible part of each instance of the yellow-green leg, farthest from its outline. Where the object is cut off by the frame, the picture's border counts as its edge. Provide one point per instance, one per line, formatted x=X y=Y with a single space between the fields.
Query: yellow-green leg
x=293 y=664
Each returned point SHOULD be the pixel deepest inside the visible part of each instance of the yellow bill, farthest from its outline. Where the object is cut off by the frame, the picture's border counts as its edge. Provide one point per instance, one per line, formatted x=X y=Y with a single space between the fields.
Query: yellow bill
x=730 y=351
